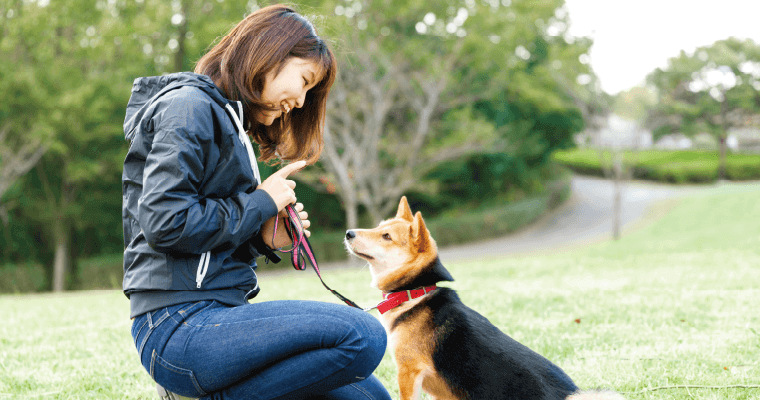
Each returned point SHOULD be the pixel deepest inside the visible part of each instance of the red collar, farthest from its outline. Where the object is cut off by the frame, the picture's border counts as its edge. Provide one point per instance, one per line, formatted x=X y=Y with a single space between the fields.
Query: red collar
x=394 y=299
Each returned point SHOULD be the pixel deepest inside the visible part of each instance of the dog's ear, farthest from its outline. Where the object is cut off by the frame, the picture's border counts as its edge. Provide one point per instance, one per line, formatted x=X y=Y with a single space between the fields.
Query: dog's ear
x=404 y=211
x=420 y=233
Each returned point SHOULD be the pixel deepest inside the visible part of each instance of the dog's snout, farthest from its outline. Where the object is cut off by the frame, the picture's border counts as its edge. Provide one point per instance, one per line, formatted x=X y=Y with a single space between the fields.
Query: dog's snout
x=350 y=235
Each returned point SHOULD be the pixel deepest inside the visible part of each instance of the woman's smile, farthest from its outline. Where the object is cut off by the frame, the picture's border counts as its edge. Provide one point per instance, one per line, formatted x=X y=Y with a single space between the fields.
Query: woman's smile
x=288 y=88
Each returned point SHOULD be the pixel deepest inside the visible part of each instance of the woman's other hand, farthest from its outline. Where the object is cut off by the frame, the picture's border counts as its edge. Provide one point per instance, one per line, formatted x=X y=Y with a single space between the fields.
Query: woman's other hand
x=281 y=238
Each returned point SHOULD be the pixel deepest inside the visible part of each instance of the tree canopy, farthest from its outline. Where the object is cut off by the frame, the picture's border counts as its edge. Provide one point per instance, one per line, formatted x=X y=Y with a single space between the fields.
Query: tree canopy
x=427 y=90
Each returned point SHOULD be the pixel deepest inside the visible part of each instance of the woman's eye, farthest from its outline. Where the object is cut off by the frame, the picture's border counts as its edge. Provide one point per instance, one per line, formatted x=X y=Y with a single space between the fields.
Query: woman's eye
x=306 y=83
x=387 y=236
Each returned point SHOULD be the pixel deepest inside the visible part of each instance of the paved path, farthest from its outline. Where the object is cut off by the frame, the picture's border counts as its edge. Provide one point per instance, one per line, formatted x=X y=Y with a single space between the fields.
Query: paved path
x=586 y=217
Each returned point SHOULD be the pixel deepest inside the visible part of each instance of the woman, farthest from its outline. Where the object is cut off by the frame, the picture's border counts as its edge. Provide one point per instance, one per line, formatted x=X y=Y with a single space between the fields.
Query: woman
x=196 y=215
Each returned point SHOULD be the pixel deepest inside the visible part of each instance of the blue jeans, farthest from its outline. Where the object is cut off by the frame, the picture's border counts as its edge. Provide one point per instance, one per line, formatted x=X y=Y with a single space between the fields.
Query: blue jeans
x=268 y=350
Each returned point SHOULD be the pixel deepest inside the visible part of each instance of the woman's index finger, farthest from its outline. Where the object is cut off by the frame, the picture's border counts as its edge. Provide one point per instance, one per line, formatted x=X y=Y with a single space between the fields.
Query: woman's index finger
x=290 y=168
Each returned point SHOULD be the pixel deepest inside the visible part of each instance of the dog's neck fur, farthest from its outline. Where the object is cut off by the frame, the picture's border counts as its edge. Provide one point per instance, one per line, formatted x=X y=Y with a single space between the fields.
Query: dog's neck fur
x=430 y=275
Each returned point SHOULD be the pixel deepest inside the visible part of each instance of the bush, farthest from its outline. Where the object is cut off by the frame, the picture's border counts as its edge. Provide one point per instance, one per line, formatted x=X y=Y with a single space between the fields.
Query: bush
x=461 y=225
x=23 y=278
x=686 y=166
x=101 y=272
x=464 y=224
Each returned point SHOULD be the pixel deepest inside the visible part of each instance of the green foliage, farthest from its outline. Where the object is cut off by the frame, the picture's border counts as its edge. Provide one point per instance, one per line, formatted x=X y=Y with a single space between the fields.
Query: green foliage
x=687 y=166
x=634 y=104
x=709 y=90
x=493 y=222
x=23 y=278
x=496 y=217
x=68 y=68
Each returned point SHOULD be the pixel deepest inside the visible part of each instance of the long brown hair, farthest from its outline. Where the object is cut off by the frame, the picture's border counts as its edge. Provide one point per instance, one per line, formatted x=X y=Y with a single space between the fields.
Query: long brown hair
x=261 y=43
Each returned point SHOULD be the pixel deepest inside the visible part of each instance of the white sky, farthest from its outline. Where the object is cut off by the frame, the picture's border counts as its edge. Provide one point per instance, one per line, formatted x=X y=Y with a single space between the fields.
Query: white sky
x=632 y=38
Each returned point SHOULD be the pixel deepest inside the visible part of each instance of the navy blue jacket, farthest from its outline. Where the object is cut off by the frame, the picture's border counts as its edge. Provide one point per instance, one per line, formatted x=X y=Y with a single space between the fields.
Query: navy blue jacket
x=188 y=189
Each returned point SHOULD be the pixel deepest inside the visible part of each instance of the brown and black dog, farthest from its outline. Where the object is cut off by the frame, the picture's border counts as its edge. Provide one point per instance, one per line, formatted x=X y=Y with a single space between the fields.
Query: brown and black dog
x=439 y=343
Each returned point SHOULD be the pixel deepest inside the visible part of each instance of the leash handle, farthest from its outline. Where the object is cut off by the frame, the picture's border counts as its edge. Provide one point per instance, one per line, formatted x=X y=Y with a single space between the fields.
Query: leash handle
x=302 y=251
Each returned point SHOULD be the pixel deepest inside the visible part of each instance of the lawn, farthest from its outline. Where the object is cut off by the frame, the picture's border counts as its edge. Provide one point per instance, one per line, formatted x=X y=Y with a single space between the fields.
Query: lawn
x=678 y=166
x=670 y=306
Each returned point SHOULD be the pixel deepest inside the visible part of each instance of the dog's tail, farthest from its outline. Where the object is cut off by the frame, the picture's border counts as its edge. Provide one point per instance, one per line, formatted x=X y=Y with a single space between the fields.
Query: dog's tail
x=595 y=395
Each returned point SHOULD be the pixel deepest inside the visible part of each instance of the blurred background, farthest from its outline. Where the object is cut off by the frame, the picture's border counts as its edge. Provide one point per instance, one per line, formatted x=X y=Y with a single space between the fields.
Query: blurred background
x=477 y=110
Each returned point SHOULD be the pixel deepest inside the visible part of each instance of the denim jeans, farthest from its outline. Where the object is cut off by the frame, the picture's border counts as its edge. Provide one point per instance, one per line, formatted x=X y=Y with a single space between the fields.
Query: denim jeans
x=269 y=350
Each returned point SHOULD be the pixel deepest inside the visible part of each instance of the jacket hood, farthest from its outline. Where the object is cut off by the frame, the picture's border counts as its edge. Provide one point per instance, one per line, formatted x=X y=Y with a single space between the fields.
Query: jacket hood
x=146 y=90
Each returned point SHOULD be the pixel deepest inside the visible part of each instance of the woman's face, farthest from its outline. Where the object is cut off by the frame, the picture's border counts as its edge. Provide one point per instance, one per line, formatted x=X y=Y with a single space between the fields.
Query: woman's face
x=287 y=89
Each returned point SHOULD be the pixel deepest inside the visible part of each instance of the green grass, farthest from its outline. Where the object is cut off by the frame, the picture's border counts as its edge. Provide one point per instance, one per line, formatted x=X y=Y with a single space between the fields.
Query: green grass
x=673 y=303
x=682 y=166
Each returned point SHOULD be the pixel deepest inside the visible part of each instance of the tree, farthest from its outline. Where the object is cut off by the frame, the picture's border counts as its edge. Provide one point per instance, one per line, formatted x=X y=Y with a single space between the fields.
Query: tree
x=634 y=103
x=66 y=76
x=411 y=81
x=709 y=90
x=24 y=139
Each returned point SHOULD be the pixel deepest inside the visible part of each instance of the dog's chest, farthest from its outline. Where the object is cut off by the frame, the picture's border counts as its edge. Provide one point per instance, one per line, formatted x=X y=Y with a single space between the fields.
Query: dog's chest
x=411 y=336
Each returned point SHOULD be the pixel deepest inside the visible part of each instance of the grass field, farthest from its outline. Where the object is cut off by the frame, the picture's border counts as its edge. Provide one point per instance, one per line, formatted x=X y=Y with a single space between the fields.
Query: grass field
x=672 y=304
x=677 y=166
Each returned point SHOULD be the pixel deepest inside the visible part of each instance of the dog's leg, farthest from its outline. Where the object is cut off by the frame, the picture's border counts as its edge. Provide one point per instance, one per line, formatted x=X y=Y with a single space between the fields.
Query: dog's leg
x=410 y=379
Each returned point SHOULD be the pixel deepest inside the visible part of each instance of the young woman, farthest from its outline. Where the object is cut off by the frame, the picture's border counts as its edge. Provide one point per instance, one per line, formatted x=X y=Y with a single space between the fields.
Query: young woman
x=196 y=216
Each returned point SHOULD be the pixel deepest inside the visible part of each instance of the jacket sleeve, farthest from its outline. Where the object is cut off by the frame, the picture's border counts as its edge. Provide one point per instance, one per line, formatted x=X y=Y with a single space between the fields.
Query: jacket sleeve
x=172 y=214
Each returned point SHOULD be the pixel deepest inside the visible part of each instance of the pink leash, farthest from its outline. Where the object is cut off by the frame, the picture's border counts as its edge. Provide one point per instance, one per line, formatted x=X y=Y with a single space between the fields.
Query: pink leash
x=303 y=250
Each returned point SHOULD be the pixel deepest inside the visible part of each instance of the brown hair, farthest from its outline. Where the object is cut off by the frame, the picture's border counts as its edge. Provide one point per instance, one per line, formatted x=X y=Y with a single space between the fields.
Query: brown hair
x=261 y=43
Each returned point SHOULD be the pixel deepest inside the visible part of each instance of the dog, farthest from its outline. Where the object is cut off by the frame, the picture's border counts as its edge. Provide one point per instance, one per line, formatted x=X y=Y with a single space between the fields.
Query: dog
x=439 y=344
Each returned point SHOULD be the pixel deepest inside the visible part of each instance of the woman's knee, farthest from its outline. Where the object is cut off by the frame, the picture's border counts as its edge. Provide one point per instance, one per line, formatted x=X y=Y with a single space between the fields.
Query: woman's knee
x=373 y=340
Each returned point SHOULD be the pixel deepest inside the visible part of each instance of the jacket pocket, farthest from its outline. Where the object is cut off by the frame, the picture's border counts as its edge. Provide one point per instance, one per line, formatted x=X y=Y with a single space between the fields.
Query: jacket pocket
x=189 y=270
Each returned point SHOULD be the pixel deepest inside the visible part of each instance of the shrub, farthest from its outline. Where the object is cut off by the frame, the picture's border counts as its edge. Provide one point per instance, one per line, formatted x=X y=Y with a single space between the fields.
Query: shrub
x=686 y=166
x=23 y=278
x=464 y=224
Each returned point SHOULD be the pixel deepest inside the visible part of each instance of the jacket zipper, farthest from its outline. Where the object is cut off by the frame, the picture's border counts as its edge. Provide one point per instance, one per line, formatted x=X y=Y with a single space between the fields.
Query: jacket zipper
x=203 y=267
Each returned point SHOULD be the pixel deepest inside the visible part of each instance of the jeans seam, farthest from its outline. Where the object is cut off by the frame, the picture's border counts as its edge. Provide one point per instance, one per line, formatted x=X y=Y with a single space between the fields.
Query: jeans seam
x=166 y=364
x=161 y=319
x=195 y=312
x=191 y=306
x=153 y=361
x=365 y=392
x=140 y=329
x=364 y=344
x=151 y=328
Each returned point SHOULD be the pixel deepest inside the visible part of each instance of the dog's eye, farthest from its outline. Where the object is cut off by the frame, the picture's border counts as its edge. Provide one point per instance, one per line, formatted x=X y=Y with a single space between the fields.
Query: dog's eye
x=387 y=236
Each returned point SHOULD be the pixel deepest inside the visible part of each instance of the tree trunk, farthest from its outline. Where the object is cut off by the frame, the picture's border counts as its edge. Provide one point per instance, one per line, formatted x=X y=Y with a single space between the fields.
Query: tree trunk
x=617 y=177
x=722 y=157
x=6 y=255
x=352 y=219
x=179 y=55
x=61 y=258
x=352 y=222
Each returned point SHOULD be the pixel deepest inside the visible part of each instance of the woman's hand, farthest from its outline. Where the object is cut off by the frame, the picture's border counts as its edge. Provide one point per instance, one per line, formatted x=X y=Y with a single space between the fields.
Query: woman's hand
x=279 y=188
x=281 y=237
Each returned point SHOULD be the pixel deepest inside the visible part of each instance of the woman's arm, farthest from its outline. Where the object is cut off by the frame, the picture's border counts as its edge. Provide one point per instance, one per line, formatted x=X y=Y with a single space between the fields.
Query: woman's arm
x=172 y=214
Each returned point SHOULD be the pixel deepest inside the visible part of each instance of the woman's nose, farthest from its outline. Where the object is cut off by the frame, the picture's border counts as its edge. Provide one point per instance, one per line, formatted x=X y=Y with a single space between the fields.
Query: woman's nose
x=300 y=99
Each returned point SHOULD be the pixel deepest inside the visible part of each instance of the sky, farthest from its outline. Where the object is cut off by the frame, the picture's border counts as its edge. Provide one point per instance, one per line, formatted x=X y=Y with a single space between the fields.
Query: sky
x=632 y=38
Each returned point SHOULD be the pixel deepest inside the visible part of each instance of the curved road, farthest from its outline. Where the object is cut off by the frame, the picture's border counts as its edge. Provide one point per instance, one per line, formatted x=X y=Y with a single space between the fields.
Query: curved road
x=586 y=217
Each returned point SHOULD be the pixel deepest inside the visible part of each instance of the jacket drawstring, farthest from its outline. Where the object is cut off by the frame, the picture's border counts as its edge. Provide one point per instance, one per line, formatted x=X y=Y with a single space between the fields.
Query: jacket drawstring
x=203 y=264
x=244 y=139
